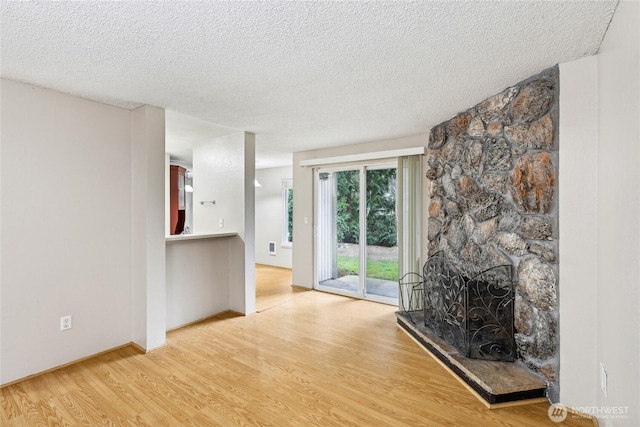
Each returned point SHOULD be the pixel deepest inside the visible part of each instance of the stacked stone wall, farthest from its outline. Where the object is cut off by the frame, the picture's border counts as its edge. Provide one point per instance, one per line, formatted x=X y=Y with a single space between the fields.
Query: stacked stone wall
x=492 y=174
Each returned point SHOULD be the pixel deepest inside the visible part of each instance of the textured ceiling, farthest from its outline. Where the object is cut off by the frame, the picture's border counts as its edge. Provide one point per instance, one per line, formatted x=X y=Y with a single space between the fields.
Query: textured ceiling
x=300 y=75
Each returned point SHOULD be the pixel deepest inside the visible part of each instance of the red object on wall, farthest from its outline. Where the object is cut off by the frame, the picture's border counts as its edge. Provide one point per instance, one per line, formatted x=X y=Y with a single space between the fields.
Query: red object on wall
x=177 y=198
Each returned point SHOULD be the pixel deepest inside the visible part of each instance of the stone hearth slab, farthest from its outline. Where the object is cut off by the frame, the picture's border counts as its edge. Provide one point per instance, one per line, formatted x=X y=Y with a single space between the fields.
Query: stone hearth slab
x=496 y=383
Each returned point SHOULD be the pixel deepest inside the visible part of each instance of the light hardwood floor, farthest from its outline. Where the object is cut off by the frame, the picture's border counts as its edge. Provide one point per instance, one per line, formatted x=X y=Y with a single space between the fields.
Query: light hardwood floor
x=312 y=359
x=273 y=287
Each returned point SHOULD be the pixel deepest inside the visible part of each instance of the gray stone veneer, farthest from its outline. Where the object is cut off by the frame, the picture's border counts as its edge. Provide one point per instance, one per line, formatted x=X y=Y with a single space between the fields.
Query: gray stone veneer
x=492 y=173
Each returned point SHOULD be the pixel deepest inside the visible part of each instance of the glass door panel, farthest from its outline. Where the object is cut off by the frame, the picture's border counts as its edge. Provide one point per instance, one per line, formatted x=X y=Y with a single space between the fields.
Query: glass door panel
x=381 y=249
x=338 y=232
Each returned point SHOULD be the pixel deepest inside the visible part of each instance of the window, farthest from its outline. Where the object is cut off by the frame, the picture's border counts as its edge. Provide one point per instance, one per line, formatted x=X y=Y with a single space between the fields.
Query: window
x=287 y=210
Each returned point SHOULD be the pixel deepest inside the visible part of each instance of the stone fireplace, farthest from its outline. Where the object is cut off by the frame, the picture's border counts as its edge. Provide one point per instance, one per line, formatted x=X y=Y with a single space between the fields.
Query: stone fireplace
x=492 y=173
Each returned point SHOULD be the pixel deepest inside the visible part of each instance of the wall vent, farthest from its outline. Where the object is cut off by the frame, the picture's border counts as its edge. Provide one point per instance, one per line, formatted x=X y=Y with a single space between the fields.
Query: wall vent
x=272 y=248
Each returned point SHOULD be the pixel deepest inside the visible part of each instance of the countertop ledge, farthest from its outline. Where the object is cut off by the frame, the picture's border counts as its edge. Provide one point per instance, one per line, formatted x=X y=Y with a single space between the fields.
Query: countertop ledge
x=182 y=237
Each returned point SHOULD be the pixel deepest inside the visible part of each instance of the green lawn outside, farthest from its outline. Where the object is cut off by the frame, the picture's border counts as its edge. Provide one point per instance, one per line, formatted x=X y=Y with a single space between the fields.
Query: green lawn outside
x=385 y=270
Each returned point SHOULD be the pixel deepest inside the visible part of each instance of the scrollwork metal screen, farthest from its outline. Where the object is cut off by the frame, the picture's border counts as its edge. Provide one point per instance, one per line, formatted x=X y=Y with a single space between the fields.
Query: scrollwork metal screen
x=475 y=315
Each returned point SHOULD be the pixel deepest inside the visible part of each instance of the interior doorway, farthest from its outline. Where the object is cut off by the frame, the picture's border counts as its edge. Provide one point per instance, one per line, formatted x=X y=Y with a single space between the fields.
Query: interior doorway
x=356 y=235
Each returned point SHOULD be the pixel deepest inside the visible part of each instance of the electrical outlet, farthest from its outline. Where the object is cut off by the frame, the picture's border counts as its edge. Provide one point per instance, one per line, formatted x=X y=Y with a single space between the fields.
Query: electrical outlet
x=65 y=323
x=221 y=222
x=603 y=379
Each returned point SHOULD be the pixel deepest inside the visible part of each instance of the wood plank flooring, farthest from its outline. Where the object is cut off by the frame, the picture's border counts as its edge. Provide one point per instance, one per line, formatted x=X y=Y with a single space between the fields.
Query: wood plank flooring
x=273 y=287
x=314 y=359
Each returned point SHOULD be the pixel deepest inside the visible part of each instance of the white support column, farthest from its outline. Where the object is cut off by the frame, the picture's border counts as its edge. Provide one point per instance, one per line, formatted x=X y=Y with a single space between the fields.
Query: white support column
x=249 y=223
x=148 y=227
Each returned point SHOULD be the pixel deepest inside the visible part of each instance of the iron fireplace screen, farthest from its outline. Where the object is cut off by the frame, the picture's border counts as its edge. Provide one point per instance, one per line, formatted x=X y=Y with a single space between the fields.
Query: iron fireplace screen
x=474 y=315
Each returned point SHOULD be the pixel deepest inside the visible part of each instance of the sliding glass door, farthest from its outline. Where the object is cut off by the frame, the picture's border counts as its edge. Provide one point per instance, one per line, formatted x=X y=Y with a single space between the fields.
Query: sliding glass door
x=338 y=231
x=381 y=249
x=356 y=232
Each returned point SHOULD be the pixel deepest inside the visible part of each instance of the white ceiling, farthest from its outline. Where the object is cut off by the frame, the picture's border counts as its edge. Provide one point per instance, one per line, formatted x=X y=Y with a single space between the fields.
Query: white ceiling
x=182 y=132
x=300 y=75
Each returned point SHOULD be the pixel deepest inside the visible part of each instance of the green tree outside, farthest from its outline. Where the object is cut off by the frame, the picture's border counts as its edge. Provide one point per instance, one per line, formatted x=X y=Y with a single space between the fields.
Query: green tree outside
x=381 y=207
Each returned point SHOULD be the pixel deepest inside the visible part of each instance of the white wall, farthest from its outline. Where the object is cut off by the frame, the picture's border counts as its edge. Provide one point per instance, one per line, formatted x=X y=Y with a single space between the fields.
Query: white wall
x=270 y=216
x=1 y=157
x=219 y=175
x=197 y=279
x=224 y=170
x=302 y=257
x=167 y=194
x=578 y=239
x=609 y=231
x=618 y=331
x=66 y=228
